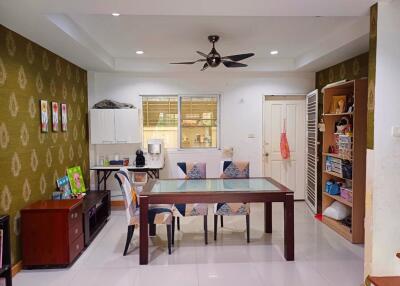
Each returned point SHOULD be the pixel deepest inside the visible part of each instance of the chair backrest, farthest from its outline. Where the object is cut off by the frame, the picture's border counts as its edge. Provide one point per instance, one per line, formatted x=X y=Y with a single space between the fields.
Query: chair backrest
x=129 y=194
x=196 y=170
x=235 y=169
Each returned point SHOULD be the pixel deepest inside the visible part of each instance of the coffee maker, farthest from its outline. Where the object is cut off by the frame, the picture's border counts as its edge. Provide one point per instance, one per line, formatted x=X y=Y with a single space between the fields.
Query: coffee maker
x=140 y=160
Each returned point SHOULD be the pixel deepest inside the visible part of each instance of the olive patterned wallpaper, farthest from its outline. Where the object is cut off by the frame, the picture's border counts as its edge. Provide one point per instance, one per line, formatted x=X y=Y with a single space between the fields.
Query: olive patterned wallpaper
x=30 y=161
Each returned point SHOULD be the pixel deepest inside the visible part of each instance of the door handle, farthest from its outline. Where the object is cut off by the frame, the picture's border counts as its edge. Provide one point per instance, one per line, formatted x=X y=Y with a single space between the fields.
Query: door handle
x=266 y=154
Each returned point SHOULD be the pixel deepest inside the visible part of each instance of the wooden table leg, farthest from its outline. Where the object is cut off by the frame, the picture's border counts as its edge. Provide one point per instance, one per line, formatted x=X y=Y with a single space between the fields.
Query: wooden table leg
x=289 y=227
x=144 y=238
x=268 y=217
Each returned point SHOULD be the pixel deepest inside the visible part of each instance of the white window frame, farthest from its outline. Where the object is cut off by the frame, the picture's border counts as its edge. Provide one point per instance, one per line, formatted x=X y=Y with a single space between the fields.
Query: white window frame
x=179 y=133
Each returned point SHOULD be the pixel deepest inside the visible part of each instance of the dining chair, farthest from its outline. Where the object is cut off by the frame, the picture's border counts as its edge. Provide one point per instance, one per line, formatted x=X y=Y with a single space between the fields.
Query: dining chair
x=157 y=214
x=233 y=170
x=191 y=171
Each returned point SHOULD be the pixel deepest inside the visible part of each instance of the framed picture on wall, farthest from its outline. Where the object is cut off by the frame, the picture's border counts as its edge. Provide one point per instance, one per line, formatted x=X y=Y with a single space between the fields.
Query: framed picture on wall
x=64 y=117
x=54 y=116
x=44 y=116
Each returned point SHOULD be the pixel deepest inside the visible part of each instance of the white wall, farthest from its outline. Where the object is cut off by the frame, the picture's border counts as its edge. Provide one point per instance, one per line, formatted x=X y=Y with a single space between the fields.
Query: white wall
x=385 y=221
x=241 y=105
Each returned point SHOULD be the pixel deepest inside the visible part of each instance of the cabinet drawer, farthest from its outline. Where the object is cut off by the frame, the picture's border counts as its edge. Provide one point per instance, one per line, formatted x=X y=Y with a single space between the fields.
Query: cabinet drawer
x=75 y=231
x=74 y=216
x=75 y=248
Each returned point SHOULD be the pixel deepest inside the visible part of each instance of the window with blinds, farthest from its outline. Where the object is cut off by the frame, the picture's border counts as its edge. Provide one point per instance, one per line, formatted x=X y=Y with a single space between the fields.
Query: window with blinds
x=199 y=121
x=181 y=121
x=160 y=119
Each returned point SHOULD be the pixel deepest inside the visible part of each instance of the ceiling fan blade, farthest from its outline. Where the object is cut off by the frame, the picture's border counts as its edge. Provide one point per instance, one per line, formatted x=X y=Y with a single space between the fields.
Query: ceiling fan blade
x=230 y=64
x=204 y=67
x=188 y=63
x=237 y=58
x=202 y=54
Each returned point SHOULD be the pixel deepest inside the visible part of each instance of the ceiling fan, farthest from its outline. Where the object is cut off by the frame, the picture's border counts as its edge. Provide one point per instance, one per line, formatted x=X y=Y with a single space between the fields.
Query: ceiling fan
x=213 y=59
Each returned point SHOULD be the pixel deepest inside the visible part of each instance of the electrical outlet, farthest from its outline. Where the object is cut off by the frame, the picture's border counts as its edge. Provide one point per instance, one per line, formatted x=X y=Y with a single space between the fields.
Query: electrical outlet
x=396 y=131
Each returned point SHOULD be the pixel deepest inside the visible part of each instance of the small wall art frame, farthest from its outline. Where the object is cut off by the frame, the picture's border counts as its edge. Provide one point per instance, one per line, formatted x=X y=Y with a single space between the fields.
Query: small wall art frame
x=64 y=117
x=44 y=116
x=54 y=116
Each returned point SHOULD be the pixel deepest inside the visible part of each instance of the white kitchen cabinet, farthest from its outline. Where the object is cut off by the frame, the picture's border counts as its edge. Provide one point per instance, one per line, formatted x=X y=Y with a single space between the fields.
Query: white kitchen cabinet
x=114 y=126
x=127 y=126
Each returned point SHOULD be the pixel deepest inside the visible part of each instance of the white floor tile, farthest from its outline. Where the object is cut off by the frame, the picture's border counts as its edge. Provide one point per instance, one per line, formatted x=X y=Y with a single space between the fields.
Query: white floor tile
x=322 y=257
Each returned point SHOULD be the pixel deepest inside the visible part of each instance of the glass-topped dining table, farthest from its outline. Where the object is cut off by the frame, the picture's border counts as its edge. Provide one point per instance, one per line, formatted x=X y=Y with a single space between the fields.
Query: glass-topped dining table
x=217 y=190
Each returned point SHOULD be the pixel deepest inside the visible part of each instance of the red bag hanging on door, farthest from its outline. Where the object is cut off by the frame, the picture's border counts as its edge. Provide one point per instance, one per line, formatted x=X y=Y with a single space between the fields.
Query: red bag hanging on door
x=285 y=151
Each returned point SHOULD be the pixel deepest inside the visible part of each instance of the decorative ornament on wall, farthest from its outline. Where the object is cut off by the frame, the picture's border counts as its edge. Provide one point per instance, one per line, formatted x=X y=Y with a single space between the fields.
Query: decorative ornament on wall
x=45 y=61
x=44 y=116
x=73 y=93
x=10 y=43
x=24 y=135
x=13 y=105
x=32 y=107
x=71 y=153
x=30 y=55
x=34 y=160
x=75 y=133
x=6 y=199
x=58 y=66
x=43 y=184
x=53 y=88
x=64 y=91
x=83 y=132
x=4 y=137
x=22 y=81
x=79 y=150
x=41 y=136
x=15 y=165
x=39 y=83
x=49 y=158
x=61 y=154
x=65 y=135
x=77 y=75
x=54 y=137
x=356 y=67
x=54 y=116
x=3 y=73
x=26 y=190
x=68 y=72
x=17 y=224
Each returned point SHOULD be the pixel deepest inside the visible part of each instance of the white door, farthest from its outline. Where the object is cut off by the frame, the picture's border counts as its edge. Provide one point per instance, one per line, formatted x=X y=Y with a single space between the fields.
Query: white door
x=290 y=172
x=102 y=129
x=127 y=126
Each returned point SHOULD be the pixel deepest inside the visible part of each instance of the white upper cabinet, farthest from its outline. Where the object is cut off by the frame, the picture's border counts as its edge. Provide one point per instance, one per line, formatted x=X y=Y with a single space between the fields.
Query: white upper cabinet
x=112 y=126
x=127 y=126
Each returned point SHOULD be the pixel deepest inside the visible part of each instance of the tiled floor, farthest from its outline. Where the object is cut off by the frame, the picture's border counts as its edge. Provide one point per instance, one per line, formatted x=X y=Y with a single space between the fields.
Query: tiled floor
x=322 y=257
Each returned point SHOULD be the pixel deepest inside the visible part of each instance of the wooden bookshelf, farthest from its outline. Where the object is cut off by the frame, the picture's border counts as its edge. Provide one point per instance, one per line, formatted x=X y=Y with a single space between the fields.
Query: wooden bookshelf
x=357 y=89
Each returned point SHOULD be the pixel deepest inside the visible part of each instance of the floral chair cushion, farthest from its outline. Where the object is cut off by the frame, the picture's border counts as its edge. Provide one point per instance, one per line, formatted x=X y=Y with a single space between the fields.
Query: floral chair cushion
x=157 y=214
x=191 y=171
x=233 y=170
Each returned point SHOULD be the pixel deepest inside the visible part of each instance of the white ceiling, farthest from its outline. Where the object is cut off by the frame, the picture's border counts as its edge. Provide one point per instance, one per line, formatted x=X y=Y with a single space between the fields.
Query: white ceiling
x=86 y=33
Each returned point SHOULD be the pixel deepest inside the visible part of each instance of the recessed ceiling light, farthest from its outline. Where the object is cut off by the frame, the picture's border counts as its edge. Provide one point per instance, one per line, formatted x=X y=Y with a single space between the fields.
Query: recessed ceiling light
x=139 y=52
x=274 y=52
x=115 y=14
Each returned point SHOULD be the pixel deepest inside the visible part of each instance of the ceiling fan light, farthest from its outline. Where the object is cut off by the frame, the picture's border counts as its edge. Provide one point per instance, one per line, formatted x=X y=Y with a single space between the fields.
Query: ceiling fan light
x=274 y=52
x=139 y=52
x=115 y=14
